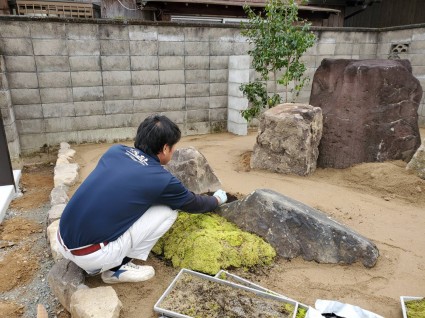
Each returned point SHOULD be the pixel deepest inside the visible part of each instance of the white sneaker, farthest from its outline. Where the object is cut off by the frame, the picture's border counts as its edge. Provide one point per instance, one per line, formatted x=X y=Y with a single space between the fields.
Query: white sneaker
x=128 y=273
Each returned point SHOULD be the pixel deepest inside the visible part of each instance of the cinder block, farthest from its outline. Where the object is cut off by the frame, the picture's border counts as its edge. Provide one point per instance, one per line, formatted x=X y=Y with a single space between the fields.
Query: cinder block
x=52 y=63
x=233 y=90
x=170 y=34
x=47 y=30
x=119 y=107
x=219 y=62
x=197 y=48
x=197 y=90
x=172 y=90
x=147 y=105
x=193 y=34
x=54 y=79
x=86 y=79
x=199 y=115
x=171 y=48
x=8 y=116
x=19 y=63
x=418 y=34
x=14 y=29
x=417 y=59
x=32 y=142
x=218 y=114
x=55 y=95
x=113 y=31
x=116 y=78
x=142 y=33
x=89 y=108
x=368 y=49
x=115 y=63
x=219 y=76
x=197 y=103
x=198 y=128
x=417 y=47
x=84 y=63
x=221 y=48
x=218 y=89
x=83 y=47
x=33 y=111
x=327 y=49
x=105 y=135
x=239 y=62
x=60 y=124
x=145 y=91
x=240 y=48
x=49 y=47
x=19 y=46
x=144 y=77
x=173 y=104
x=22 y=80
x=237 y=103
x=117 y=92
x=82 y=94
x=80 y=31
x=114 y=47
x=30 y=126
x=58 y=110
x=237 y=129
x=146 y=48
x=197 y=62
x=171 y=63
x=4 y=84
x=171 y=77
x=218 y=101
x=2 y=64
x=118 y=120
x=176 y=116
x=25 y=96
x=91 y=122
x=55 y=138
x=197 y=76
x=144 y=63
x=5 y=99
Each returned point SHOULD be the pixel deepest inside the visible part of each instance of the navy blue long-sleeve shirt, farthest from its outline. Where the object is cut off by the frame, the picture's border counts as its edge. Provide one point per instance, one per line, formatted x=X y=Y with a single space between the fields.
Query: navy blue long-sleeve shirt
x=125 y=183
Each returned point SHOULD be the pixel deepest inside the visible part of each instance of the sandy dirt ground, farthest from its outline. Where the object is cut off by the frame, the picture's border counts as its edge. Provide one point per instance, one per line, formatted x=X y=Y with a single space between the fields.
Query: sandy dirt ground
x=381 y=201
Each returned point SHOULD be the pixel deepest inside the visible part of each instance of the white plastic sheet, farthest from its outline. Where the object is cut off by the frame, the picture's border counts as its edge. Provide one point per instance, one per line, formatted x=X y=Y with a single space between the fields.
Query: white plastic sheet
x=339 y=309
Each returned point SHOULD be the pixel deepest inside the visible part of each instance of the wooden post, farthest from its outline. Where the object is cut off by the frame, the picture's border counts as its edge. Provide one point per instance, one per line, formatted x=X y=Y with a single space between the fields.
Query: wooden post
x=6 y=171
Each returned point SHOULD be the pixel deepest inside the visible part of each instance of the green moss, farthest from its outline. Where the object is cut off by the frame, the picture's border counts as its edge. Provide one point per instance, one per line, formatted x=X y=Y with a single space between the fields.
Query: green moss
x=208 y=243
x=416 y=308
x=301 y=313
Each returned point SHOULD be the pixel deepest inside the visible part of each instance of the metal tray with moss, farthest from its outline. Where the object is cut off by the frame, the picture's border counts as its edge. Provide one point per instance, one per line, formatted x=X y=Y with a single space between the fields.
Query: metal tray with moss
x=195 y=295
x=225 y=275
x=413 y=307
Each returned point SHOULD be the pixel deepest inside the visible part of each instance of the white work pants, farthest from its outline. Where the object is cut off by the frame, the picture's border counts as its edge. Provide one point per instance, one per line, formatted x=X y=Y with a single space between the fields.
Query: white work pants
x=136 y=242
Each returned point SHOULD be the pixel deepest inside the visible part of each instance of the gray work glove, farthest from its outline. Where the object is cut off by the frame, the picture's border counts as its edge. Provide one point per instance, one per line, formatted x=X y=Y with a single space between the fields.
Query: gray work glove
x=221 y=196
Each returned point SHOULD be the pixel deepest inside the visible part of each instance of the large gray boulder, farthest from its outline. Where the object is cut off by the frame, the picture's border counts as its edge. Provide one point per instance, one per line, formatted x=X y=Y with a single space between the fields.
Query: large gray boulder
x=288 y=139
x=295 y=229
x=370 y=111
x=193 y=170
x=417 y=163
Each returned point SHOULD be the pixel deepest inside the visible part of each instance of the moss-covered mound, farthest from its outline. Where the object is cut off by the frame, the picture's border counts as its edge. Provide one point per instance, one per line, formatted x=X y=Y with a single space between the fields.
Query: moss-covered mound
x=416 y=308
x=208 y=243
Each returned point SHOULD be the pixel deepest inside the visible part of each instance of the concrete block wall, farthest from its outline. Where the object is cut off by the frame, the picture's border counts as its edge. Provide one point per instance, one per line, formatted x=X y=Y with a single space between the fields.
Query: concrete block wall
x=7 y=114
x=92 y=81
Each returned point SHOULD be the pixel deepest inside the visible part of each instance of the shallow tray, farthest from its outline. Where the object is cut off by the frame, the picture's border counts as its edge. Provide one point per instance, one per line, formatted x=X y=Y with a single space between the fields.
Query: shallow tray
x=168 y=313
x=403 y=300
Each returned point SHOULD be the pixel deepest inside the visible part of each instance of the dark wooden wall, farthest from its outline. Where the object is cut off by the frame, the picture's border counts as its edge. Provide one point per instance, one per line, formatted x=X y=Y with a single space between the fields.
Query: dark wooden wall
x=389 y=13
x=4 y=7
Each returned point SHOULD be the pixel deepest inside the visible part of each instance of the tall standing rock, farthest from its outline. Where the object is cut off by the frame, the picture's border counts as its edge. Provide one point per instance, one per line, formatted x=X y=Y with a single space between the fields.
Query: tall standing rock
x=370 y=111
x=288 y=139
x=295 y=229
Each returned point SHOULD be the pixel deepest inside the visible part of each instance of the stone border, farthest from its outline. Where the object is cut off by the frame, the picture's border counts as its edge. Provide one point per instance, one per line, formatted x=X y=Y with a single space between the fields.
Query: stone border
x=66 y=280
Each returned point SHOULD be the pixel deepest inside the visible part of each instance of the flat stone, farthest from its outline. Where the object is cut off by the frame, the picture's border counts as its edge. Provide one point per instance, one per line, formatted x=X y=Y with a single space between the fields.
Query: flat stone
x=65 y=145
x=53 y=241
x=288 y=139
x=55 y=213
x=66 y=174
x=58 y=195
x=295 y=229
x=95 y=302
x=193 y=170
x=417 y=163
x=65 y=278
x=68 y=153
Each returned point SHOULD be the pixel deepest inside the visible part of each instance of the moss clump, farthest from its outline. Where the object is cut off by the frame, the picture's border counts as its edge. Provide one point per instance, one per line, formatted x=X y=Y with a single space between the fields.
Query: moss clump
x=416 y=308
x=208 y=243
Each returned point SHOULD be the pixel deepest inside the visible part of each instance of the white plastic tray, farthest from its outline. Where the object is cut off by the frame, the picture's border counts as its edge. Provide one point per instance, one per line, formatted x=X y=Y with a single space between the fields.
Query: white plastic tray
x=403 y=300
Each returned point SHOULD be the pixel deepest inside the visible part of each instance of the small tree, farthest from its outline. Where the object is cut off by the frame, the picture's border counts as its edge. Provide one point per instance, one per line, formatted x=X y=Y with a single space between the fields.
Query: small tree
x=279 y=39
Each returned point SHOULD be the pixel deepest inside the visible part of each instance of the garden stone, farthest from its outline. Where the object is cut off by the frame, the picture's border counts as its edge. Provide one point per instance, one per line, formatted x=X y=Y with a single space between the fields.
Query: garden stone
x=55 y=213
x=65 y=278
x=370 y=111
x=417 y=163
x=288 y=139
x=193 y=170
x=66 y=174
x=54 y=244
x=58 y=195
x=295 y=229
x=68 y=153
x=95 y=302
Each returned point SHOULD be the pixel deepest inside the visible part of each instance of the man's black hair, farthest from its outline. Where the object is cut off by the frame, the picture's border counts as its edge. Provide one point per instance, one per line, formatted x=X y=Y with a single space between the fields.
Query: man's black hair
x=154 y=133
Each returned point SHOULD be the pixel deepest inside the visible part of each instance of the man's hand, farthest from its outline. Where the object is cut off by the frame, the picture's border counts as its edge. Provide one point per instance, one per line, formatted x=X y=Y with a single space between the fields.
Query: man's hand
x=221 y=196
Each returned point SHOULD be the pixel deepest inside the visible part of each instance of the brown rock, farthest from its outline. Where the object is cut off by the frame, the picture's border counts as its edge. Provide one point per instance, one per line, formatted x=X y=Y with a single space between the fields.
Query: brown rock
x=370 y=111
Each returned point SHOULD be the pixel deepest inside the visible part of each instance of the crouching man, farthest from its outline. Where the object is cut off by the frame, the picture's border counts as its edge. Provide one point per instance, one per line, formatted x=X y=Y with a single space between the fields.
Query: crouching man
x=126 y=204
